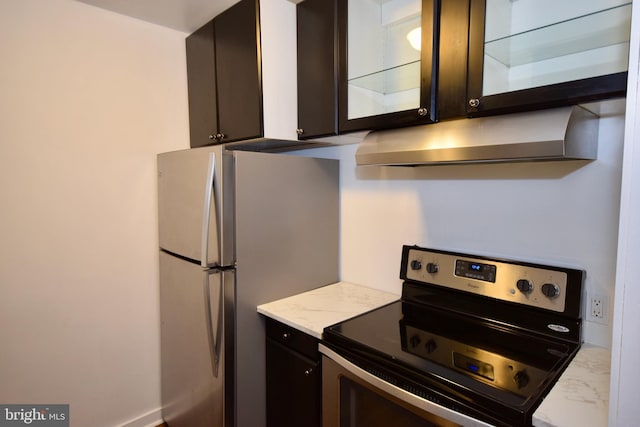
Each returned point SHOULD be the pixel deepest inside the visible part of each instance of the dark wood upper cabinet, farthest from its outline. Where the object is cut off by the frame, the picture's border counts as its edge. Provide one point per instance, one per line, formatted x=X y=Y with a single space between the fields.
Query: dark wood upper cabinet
x=525 y=56
x=223 y=71
x=476 y=57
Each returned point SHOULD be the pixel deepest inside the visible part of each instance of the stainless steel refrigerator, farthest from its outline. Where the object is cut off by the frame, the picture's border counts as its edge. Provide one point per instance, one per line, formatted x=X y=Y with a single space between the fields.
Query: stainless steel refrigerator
x=237 y=229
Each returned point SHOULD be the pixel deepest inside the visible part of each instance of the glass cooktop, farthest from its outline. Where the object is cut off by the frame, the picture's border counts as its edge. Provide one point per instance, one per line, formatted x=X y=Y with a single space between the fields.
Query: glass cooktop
x=487 y=363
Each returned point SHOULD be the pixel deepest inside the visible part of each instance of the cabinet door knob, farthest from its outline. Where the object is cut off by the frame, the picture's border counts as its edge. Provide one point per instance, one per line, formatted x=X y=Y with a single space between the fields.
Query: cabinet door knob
x=286 y=336
x=308 y=372
x=422 y=111
x=474 y=102
x=299 y=131
x=219 y=137
x=212 y=137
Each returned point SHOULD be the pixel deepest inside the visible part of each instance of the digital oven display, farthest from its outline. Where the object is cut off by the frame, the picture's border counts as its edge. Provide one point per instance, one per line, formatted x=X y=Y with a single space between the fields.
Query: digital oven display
x=476 y=270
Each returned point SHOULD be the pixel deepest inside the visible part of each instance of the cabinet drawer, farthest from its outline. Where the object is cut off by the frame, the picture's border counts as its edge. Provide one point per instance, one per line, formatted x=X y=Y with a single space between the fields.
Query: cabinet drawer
x=293 y=338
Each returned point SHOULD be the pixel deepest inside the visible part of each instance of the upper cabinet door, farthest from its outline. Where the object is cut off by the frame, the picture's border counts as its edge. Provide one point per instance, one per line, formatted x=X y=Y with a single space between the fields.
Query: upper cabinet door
x=203 y=114
x=317 y=77
x=237 y=38
x=385 y=63
x=530 y=54
x=224 y=78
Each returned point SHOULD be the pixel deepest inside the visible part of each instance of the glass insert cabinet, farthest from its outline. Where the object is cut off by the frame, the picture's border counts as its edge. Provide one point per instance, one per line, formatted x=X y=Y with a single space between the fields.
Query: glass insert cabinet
x=542 y=53
x=408 y=62
x=386 y=51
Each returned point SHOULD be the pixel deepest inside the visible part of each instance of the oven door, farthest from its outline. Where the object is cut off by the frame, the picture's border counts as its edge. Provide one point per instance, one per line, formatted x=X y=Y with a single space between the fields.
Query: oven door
x=352 y=397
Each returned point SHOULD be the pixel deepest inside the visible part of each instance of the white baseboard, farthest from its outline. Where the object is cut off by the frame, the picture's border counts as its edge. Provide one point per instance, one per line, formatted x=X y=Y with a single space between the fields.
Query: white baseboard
x=150 y=419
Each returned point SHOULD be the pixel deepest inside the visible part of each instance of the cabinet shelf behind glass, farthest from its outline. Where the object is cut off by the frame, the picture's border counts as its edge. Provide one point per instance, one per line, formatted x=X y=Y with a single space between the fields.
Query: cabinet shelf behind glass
x=534 y=54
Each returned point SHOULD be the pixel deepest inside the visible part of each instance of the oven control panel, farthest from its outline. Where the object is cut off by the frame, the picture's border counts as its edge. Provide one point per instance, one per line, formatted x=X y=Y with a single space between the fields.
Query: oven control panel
x=521 y=283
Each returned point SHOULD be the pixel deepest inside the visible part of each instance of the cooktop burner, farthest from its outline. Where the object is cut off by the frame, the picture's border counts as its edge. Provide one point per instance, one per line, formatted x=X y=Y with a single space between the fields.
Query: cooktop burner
x=488 y=337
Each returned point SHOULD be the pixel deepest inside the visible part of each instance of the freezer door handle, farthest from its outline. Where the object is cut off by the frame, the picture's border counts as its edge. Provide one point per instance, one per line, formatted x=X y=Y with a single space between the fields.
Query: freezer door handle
x=214 y=309
x=211 y=202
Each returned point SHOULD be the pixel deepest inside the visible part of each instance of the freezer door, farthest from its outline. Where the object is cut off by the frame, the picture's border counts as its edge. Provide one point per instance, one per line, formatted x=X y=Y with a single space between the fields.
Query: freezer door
x=192 y=343
x=189 y=204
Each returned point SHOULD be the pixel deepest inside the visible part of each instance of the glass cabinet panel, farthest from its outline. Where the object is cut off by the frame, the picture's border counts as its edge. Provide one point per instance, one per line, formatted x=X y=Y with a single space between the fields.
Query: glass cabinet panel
x=383 y=56
x=533 y=43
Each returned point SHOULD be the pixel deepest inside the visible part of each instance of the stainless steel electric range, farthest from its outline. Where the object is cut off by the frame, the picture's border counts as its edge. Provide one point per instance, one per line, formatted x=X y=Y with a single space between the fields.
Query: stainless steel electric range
x=474 y=341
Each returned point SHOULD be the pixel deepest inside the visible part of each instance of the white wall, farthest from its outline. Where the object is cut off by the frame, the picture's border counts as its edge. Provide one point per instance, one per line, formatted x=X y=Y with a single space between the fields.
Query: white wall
x=87 y=98
x=556 y=213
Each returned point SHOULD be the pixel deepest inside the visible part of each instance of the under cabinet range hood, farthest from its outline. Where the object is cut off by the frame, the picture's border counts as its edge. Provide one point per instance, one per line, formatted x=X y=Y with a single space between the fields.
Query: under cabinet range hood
x=569 y=133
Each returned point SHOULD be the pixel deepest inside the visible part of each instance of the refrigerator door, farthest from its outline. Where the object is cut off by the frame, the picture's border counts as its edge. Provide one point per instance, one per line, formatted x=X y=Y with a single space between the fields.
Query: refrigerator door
x=189 y=204
x=192 y=343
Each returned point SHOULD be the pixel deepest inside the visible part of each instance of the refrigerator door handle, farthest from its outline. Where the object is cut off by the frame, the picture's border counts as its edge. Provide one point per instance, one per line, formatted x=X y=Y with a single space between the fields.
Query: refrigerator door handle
x=214 y=329
x=211 y=198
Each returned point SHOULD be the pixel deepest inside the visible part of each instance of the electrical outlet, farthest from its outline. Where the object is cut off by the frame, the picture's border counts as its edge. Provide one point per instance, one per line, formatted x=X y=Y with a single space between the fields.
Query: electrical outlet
x=598 y=308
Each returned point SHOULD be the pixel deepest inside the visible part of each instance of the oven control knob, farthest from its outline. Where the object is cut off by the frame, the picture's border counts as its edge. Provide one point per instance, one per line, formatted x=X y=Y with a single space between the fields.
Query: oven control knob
x=524 y=286
x=432 y=268
x=550 y=290
x=431 y=346
x=521 y=379
x=416 y=265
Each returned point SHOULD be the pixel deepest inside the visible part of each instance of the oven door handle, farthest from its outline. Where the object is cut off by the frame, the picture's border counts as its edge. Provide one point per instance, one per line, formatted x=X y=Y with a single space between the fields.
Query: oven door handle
x=399 y=393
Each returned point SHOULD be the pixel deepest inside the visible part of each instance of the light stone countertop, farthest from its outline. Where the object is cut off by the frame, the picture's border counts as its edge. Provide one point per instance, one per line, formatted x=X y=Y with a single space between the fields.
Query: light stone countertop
x=312 y=311
x=581 y=395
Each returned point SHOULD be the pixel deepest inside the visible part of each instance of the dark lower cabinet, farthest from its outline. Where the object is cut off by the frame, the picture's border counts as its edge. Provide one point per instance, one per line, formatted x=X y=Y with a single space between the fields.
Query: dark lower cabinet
x=294 y=378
